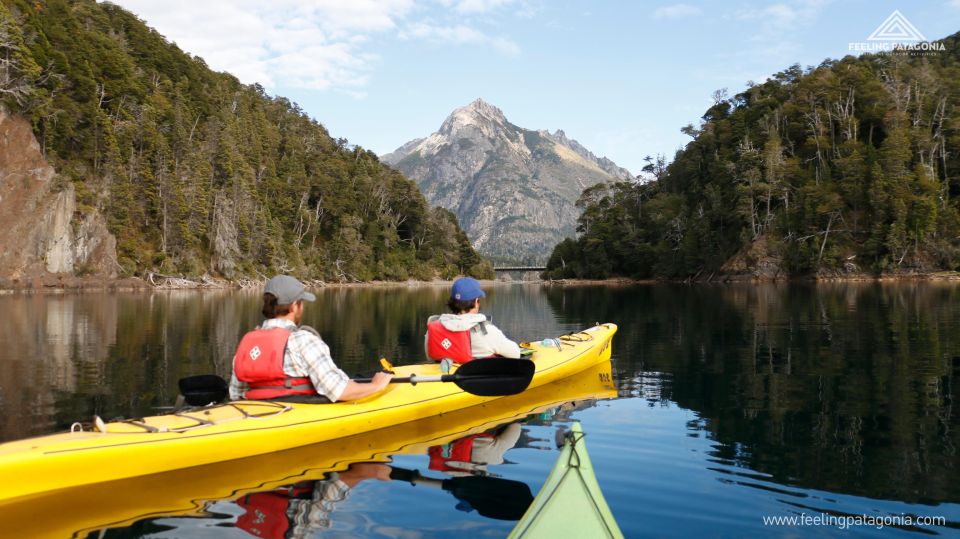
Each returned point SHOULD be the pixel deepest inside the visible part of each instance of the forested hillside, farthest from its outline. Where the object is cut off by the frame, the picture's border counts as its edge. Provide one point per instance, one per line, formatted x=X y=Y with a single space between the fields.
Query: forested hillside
x=847 y=168
x=197 y=173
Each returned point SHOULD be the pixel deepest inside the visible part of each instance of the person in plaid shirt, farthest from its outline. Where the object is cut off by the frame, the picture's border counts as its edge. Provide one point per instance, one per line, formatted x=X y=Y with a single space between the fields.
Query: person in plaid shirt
x=284 y=361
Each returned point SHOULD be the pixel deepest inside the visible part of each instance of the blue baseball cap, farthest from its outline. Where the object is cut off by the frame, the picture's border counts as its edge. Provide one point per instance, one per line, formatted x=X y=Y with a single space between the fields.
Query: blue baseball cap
x=466 y=289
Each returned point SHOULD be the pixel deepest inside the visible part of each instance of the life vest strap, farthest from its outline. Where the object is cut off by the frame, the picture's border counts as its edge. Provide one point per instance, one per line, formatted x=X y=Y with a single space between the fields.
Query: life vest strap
x=297 y=384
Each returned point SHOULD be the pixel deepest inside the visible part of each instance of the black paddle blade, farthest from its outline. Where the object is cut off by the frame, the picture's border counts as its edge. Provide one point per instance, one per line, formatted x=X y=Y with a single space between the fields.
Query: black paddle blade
x=495 y=376
x=492 y=497
x=203 y=389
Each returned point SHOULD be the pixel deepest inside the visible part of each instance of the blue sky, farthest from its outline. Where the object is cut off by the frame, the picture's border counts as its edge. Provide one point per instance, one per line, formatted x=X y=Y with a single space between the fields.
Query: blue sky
x=620 y=77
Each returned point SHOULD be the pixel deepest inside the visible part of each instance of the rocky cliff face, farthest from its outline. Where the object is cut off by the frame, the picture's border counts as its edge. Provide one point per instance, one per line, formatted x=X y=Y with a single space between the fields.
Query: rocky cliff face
x=42 y=233
x=513 y=189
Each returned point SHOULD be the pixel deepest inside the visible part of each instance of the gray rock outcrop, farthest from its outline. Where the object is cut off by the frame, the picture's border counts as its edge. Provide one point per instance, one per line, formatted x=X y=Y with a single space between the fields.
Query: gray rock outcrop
x=41 y=230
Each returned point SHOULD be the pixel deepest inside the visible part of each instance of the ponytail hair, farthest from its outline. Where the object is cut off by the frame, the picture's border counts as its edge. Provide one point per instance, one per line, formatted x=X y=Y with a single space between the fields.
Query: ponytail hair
x=271 y=309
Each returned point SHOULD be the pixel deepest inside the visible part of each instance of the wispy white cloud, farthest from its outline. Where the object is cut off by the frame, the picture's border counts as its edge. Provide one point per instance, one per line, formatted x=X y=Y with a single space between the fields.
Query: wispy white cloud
x=315 y=45
x=525 y=9
x=477 y=6
x=776 y=15
x=954 y=4
x=775 y=19
x=320 y=45
x=459 y=34
x=676 y=11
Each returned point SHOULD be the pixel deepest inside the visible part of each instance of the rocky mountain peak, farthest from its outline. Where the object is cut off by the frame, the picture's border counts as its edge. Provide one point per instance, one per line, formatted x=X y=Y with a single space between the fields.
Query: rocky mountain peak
x=561 y=137
x=484 y=109
x=513 y=189
x=478 y=114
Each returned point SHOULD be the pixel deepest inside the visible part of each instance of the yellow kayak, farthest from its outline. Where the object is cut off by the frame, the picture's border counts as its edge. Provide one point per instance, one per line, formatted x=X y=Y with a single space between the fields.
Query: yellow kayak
x=85 y=509
x=243 y=429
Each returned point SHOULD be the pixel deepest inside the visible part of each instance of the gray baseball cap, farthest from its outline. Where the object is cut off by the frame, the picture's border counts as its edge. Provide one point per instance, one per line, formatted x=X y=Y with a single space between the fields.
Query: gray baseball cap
x=287 y=290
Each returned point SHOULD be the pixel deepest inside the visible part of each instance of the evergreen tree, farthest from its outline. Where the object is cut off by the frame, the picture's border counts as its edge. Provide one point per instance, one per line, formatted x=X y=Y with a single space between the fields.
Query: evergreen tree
x=197 y=173
x=848 y=166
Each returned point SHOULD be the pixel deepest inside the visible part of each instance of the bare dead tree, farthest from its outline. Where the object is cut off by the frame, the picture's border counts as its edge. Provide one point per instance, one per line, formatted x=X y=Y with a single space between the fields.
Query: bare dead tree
x=14 y=82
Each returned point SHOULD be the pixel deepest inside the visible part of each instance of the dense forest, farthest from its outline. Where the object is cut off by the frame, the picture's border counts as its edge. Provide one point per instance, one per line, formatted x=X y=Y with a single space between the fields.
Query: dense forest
x=197 y=173
x=850 y=167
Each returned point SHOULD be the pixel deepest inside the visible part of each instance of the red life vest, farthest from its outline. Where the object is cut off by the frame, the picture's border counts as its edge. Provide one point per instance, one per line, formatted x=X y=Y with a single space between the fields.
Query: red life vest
x=444 y=343
x=266 y=512
x=265 y=516
x=458 y=451
x=259 y=363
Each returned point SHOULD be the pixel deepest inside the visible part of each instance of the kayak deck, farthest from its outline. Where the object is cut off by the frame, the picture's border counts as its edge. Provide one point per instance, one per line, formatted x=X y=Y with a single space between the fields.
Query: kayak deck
x=570 y=504
x=197 y=418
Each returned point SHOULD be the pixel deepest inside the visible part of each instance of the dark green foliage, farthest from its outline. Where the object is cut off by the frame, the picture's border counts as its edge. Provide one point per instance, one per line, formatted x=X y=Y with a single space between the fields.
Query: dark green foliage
x=197 y=173
x=847 y=167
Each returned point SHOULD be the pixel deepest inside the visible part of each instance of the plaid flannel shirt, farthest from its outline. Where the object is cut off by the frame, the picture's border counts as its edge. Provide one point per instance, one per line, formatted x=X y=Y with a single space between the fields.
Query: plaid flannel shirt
x=309 y=516
x=306 y=355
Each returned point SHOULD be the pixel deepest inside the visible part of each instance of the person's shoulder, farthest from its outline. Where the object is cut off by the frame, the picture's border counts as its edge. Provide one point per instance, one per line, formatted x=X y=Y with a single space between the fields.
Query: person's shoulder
x=488 y=324
x=307 y=333
x=309 y=329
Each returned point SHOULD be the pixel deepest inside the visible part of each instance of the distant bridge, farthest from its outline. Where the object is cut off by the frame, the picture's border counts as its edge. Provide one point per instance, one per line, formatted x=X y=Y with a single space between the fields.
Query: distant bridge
x=519 y=273
x=521 y=268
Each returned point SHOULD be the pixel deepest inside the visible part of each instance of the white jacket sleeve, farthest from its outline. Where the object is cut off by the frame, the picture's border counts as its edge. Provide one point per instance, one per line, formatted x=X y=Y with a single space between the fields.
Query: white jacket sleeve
x=501 y=345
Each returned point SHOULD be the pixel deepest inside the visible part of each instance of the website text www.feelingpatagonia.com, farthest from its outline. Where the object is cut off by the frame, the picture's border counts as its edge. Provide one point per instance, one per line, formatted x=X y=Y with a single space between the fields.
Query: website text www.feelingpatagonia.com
x=844 y=522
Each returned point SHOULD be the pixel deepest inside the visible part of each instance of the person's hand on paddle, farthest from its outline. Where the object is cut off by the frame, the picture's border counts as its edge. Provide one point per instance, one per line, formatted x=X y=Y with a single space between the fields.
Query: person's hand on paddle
x=371 y=470
x=381 y=379
x=360 y=471
x=358 y=389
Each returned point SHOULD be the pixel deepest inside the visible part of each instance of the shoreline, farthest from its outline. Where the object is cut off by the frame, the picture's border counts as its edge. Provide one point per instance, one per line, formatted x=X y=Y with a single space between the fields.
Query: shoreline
x=935 y=276
x=61 y=284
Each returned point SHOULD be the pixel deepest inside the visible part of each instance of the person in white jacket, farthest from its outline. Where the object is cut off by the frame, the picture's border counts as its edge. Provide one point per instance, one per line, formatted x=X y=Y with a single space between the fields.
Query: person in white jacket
x=472 y=454
x=465 y=334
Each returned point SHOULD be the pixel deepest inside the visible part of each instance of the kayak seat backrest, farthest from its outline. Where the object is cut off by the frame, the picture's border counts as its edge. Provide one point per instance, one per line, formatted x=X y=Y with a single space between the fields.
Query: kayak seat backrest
x=203 y=389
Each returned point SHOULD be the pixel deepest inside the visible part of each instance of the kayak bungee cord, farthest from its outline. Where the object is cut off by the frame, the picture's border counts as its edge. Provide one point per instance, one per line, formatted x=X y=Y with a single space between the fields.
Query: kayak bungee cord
x=98 y=425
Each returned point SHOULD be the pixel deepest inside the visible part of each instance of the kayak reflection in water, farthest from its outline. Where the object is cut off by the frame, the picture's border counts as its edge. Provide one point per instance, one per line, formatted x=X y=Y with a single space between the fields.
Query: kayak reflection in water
x=298 y=510
x=464 y=334
x=283 y=360
x=301 y=509
x=466 y=460
x=470 y=455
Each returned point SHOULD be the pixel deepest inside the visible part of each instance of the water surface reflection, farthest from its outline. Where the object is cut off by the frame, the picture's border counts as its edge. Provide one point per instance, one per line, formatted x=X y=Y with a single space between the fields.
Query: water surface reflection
x=736 y=400
x=846 y=388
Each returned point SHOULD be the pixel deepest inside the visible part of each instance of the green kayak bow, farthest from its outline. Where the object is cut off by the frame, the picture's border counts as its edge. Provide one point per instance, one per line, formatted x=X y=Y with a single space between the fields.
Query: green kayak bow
x=570 y=504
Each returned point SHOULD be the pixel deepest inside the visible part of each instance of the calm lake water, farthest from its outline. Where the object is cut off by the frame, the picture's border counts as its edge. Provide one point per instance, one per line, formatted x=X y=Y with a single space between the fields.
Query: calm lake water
x=735 y=403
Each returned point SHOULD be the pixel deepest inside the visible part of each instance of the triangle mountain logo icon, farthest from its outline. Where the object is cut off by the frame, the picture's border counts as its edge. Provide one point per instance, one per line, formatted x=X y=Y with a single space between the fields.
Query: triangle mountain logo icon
x=896 y=28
